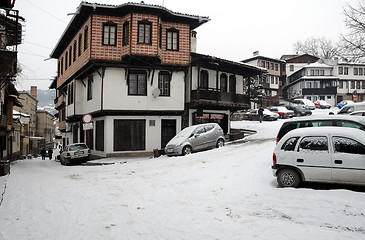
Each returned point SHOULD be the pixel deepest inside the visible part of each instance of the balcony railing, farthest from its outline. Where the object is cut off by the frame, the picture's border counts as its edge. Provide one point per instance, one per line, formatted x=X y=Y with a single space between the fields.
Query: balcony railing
x=221 y=100
x=318 y=91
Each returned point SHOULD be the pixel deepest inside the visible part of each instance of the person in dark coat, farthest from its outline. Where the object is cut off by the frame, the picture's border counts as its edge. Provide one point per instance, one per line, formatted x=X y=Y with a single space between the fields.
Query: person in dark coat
x=261 y=114
x=43 y=153
x=50 y=152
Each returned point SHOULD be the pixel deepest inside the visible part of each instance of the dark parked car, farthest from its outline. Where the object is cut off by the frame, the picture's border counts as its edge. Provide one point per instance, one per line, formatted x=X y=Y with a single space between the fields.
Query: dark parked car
x=321 y=121
x=299 y=110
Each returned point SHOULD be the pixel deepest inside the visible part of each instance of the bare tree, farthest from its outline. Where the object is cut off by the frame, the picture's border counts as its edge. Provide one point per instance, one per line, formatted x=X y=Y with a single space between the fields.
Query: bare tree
x=319 y=47
x=354 y=40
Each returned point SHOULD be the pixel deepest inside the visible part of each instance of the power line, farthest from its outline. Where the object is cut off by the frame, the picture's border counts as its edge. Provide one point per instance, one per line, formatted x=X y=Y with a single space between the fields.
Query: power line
x=50 y=14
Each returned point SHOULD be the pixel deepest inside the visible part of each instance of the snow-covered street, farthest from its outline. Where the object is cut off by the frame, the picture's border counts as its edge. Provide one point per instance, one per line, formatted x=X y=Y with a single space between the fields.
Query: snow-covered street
x=225 y=193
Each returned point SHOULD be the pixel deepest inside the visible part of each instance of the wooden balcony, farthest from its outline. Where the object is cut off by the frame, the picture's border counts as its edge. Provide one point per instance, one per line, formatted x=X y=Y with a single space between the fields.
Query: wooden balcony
x=60 y=101
x=3 y=121
x=62 y=126
x=218 y=100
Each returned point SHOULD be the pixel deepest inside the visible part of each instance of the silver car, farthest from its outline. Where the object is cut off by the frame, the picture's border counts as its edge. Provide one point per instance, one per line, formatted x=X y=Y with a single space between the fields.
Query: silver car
x=77 y=152
x=195 y=138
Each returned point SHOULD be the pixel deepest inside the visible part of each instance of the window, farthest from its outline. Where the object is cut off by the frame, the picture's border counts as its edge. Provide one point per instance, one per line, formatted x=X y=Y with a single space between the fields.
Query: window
x=109 y=34
x=291 y=68
x=66 y=60
x=346 y=71
x=267 y=65
x=360 y=71
x=172 y=39
x=272 y=66
x=80 y=39
x=352 y=84
x=317 y=72
x=86 y=37
x=125 y=33
x=99 y=138
x=322 y=72
x=58 y=68
x=74 y=56
x=90 y=82
x=347 y=145
x=75 y=131
x=204 y=79
x=263 y=64
x=144 y=32
x=61 y=65
x=312 y=72
x=340 y=70
x=309 y=85
x=70 y=93
x=356 y=71
x=358 y=84
x=137 y=83
x=129 y=135
x=313 y=144
x=363 y=84
x=232 y=84
x=276 y=67
x=70 y=56
x=223 y=83
x=164 y=79
x=272 y=79
x=315 y=85
x=290 y=144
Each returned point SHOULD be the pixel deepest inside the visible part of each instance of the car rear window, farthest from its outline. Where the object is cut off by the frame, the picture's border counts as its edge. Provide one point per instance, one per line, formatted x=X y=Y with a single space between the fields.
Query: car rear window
x=290 y=144
x=77 y=147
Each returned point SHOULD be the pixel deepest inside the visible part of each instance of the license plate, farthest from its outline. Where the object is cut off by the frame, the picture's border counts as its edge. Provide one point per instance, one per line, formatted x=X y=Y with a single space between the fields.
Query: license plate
x=79 y=153
x=170 y=150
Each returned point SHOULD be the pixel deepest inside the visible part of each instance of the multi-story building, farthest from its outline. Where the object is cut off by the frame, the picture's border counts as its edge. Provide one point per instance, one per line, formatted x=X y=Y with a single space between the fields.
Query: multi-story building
x=46 y=127
x=10 y=37
x=128 y=66
x=272 y=81
x=29 y=106
x=351 y=84
x=315 y=81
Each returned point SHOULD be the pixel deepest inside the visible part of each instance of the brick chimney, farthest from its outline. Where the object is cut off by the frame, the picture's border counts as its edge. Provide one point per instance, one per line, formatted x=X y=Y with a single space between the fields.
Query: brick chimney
x=33 y=91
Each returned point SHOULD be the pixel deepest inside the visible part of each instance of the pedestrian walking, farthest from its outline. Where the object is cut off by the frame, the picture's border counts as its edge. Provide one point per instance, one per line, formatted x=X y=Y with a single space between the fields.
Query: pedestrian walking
x=261 y=114
x=50 y=152
x=43 y=153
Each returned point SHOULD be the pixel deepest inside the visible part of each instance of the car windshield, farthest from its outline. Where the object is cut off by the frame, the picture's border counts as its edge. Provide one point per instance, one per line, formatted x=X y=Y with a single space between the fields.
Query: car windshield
x=185 y=133
x=77 y=147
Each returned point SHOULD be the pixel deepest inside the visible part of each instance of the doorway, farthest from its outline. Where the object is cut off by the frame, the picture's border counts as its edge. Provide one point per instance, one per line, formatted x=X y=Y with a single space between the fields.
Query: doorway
x=168 y=131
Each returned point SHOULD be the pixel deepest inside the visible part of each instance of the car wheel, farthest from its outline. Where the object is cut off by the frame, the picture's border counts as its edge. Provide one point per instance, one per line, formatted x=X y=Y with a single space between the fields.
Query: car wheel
x=62 y=162
x=220 y=143
x=186 y=150
x=288 y=178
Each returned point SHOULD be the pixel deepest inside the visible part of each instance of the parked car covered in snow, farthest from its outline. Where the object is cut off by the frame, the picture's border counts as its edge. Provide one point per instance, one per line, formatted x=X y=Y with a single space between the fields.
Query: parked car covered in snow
x=299 y=110
x=195 y=138
x=305 y=103
x=268 y=115
x=322 y=104
x=328 y=154
x=358 y=113
x=75 y=153
x=344 y=103
x=283 y=112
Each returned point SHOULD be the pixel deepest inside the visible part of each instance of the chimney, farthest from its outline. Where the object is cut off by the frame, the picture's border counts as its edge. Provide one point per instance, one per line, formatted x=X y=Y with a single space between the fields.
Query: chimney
x=256 y=53
x=33 y=91
x=193 y=42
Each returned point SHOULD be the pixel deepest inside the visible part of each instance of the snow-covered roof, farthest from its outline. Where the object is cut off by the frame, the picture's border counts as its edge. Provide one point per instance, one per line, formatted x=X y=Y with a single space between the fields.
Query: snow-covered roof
x=318 y=65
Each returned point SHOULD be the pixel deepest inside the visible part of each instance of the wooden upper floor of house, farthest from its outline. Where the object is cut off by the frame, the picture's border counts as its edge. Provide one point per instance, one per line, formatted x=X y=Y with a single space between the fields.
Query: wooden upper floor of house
x=123 y=33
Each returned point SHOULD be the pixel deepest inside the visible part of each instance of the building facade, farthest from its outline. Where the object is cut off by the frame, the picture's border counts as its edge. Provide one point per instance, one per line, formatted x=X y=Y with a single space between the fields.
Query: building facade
x=271 y=82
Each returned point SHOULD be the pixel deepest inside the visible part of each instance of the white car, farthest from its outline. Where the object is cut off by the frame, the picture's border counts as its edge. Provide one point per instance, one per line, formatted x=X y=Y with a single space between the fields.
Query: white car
x=325 y=154
x=322 y=104
x=305 y=102
x=76 y=152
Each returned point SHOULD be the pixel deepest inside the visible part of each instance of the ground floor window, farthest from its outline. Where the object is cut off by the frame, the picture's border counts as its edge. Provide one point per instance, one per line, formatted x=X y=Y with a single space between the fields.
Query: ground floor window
x=129 y=135
x=99 y=138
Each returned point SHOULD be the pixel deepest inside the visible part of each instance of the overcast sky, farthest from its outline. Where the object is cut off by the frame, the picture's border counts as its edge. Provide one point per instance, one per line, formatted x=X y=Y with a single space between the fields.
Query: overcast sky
x=237 y=28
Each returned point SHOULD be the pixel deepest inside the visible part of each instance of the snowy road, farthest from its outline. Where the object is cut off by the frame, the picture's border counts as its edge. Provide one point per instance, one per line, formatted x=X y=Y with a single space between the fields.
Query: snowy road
x=226 y=193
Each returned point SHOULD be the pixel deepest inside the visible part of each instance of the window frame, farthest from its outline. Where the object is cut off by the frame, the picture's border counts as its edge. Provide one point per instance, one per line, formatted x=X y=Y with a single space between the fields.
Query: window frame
x=204 y=81
x=86 y=38
x=137 y=73
x=90 y=83
x=126 y=33
x=108 y=36
x=223 y=82
x=142 y=37
x=172 y=32
x=164 y=83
